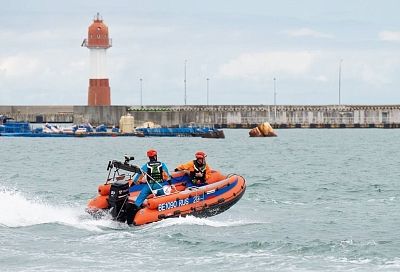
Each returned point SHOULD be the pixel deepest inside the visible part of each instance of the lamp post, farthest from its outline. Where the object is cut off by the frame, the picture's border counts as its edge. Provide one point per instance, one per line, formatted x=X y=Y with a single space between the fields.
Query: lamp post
x=184 y=81
x=274 y=100
x=207 y=90
x=141 y=92
x=340 y=78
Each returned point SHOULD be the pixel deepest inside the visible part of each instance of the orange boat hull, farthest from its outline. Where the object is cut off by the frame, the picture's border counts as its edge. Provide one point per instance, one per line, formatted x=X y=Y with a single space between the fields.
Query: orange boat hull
x=219 y=195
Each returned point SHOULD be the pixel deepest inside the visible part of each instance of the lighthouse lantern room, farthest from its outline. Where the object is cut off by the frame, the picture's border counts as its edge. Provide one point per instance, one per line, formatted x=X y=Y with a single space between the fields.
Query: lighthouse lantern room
x=98 y=42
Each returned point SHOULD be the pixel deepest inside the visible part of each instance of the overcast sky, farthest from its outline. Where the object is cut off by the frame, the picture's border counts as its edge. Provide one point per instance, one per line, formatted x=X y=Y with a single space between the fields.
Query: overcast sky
x=239 y=45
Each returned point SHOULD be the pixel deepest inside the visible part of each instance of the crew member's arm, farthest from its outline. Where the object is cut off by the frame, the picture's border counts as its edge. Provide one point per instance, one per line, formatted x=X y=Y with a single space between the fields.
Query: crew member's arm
x=185 y=166
x=144 y=169
x=208 y=172
x=166 y=176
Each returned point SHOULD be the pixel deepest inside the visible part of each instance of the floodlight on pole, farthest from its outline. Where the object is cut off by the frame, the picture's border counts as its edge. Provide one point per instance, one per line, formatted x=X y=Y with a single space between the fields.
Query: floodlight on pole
x=274 y=100
x=208 y=90
x=340 y=79
x=141 y=92
x=184 y=81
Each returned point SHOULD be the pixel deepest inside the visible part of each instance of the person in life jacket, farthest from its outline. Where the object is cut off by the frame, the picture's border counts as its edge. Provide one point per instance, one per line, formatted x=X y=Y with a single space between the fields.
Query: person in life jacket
x=154 y=174
x=198 y=170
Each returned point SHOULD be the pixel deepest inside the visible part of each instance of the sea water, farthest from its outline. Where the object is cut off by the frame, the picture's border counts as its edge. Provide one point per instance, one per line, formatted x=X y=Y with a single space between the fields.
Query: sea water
x=316 y=200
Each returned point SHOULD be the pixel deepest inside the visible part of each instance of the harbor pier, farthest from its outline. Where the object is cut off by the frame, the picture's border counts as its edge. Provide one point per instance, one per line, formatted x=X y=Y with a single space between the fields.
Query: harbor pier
x=219 y=116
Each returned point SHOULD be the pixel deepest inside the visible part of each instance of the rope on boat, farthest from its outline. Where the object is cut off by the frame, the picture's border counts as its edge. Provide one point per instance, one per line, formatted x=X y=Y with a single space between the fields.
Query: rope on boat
x=148 y=184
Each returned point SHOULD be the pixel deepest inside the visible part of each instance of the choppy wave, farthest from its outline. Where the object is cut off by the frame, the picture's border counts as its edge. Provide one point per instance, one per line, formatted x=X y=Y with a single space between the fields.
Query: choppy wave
x=311 y=204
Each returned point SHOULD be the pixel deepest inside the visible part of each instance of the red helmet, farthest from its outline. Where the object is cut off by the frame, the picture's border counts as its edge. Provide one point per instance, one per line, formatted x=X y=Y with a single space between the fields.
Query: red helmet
x=200 y=155
x=151 y=153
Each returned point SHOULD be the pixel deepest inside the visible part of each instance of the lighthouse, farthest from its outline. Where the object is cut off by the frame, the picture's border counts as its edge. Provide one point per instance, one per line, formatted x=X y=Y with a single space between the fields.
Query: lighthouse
x=98 y=42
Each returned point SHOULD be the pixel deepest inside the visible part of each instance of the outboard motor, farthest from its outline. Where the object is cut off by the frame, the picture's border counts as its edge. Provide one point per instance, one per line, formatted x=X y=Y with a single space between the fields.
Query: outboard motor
x=119 y=193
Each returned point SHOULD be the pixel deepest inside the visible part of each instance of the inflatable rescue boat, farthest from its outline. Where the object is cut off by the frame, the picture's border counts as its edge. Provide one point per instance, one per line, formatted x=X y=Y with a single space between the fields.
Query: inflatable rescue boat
x=218 y=195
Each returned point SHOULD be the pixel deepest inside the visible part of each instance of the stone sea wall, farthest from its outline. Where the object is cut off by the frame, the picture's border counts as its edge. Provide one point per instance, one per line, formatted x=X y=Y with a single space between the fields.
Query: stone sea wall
x=235 y=116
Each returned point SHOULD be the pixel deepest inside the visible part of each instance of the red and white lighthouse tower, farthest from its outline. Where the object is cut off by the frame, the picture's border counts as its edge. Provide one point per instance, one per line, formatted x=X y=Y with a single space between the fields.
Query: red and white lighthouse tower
x=98 y=42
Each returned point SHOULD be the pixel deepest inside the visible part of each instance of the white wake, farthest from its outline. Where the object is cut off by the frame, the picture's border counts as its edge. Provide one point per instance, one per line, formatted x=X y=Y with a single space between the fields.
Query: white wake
x=18 y=210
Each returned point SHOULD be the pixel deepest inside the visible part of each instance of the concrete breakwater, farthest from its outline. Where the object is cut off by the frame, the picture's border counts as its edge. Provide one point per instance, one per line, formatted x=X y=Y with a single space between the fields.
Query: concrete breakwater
x=220 y=116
